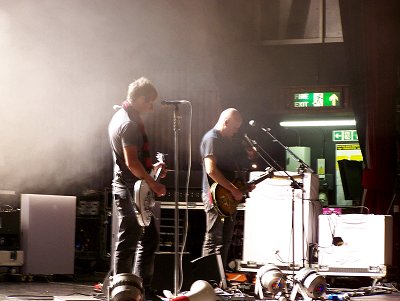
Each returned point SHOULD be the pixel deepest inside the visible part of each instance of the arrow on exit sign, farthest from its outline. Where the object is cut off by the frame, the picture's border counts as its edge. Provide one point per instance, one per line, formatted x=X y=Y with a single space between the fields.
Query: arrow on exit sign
x=345 y=135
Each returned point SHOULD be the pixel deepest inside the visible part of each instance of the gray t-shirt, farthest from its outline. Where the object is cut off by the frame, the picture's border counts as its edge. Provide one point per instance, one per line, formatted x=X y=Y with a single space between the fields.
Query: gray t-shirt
x=123 y=132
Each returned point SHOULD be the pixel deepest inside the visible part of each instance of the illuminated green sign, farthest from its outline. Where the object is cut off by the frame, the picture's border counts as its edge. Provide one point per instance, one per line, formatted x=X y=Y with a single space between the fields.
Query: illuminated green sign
x=320 y=99
x=346 y=135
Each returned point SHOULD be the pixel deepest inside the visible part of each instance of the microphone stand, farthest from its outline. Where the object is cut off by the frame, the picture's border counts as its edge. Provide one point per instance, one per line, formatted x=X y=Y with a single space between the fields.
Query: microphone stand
x=303 y=165
x=295 y=185
x=176 y=127
x=255 y=145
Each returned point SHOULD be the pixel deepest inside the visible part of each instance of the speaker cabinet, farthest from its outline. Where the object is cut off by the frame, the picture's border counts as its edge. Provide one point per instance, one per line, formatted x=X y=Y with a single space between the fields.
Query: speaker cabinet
x=48 y=233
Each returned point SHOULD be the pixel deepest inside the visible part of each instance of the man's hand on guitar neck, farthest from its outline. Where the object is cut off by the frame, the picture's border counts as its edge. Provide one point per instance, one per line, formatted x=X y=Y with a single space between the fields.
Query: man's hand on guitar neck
x=163 y=166
x=250 y=187
x=158 y=188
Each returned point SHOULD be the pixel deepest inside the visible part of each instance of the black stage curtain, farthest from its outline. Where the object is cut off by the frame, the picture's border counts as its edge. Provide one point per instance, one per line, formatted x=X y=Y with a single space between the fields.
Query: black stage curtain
x=371 y=31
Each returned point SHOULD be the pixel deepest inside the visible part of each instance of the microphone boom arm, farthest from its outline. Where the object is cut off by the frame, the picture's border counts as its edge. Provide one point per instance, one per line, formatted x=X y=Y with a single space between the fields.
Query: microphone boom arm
x=303 y=165
x=254 y=145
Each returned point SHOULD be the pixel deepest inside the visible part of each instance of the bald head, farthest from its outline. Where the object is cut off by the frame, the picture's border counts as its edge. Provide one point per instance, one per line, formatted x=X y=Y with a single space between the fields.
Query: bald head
x=229 y=122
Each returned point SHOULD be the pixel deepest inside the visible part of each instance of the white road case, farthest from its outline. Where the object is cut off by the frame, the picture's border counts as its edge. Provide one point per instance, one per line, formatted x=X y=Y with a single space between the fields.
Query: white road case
x=366 y=248
x=268 y=222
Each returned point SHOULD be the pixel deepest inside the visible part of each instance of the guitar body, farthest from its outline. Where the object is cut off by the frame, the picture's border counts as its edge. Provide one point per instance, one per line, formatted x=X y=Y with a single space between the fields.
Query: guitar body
x=144 y=197
x=222 y=198
x=144 y=202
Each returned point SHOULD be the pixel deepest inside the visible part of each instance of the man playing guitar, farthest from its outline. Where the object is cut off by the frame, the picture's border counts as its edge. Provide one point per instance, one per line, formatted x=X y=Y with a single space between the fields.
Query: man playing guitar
x=220 y=162
x=135 y=246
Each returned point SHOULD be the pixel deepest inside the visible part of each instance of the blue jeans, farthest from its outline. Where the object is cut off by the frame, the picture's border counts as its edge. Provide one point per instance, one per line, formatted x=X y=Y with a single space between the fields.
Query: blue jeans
x=135 y=245
x=219 y=232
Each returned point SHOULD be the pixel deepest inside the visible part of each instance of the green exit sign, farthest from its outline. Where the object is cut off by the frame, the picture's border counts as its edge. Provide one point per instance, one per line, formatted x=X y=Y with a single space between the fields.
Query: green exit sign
x=345 y=135
x=317 y=99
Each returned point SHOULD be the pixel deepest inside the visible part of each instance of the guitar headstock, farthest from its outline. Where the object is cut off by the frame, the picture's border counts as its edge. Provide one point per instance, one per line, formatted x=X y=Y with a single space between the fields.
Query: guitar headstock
x=160 y=157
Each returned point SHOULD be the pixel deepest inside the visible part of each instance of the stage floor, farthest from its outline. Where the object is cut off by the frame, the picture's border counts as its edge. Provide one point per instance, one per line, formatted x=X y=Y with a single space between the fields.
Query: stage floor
x=46 y=288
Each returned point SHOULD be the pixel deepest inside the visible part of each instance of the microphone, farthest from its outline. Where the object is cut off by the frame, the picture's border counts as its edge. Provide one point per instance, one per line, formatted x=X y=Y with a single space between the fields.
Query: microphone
x=250 y=142
x=253 y=124
x=116 y=107
x=173 y=102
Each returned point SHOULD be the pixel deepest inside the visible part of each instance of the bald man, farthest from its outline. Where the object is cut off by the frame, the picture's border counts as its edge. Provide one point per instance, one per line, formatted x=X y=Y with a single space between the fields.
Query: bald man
x=220 y=164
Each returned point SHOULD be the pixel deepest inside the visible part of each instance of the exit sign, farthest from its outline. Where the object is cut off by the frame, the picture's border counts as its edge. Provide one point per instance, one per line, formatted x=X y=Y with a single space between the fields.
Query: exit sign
x=345 y=135
x=317 y=99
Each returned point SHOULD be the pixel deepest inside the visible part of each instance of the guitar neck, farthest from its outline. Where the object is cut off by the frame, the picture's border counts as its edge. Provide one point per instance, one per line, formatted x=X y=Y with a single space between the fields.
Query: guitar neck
x=157 y=174
x=160 y=158
x=261 y=178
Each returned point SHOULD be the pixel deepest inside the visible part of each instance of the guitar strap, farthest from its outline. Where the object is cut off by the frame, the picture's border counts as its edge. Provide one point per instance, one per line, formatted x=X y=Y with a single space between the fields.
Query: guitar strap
x=134 y=116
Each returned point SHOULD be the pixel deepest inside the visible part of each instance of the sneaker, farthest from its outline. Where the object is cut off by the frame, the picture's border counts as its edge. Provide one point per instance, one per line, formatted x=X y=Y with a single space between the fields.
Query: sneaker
x=98 y=287
x=151 y=295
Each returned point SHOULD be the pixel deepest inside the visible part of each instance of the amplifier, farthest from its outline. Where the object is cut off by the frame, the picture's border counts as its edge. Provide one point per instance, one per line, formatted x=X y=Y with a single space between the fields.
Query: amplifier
x=88 y=207
x=90 y=204
x=10 y=222
x=10 y=229
x=194 y=195
x=8 y=199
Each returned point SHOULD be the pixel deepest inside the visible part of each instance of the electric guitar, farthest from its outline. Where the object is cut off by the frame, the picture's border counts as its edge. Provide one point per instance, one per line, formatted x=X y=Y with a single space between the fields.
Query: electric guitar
x=222 y=198
x=144 y=197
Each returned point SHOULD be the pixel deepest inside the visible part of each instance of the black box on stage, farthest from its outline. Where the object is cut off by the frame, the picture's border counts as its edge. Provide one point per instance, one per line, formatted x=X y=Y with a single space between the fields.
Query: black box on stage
x=10 y=230
x=164 y=271
x=10 y=222
x=209 y=268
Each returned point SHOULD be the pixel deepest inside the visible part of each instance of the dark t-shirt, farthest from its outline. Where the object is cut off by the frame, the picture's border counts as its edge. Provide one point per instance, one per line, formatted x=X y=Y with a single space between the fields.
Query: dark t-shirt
x=228 y=152
x=123 y=132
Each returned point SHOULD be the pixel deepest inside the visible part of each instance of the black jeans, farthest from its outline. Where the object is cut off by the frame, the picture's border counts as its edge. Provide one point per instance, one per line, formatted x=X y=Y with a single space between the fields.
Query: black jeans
x=135 y=245
x=219 y=232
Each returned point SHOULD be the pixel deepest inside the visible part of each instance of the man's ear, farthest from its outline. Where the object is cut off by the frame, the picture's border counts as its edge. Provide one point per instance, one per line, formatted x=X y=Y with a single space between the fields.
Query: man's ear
x=140 y=99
